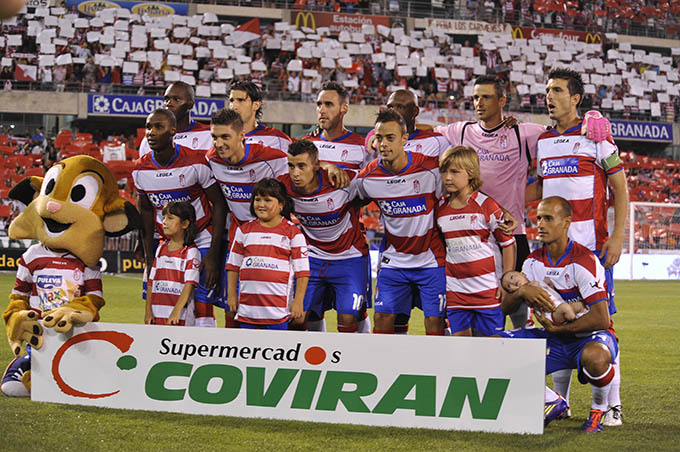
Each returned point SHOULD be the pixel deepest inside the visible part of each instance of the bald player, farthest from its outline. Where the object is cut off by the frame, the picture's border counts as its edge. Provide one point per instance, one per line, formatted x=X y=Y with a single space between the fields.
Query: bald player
x=179 y=98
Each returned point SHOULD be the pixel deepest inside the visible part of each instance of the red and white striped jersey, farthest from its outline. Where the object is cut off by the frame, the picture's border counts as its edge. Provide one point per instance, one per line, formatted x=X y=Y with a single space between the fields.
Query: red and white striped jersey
x=267 y=260
x=407 y=203
x=196 y=137
x=237 y=180
x=52 y=279
x=170 y=272
x=425 y=142
x=577 y=275
x=347 y=151
x=576 y=168
x=185 y=178
x=504 y=158
x=329 y=219
x=269 y=136
x=472 y=236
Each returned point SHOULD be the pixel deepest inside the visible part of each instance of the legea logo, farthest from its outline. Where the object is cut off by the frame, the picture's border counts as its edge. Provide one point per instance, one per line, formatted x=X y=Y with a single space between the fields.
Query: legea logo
x=120 y=340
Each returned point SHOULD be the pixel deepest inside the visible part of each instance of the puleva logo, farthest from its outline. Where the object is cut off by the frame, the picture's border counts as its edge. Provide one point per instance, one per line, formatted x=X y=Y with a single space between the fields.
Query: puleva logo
x=120 y=340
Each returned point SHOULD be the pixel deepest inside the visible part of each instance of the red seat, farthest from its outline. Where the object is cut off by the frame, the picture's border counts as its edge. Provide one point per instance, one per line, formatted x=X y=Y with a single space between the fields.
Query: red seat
x=4 y=139
x=34 y=171
x=85 y=137
x=5 y=211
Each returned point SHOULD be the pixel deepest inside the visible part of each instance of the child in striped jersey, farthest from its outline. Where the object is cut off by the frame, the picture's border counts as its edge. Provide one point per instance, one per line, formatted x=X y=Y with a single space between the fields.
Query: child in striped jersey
x=470 y=222
x=176 y=268
x=266 y=254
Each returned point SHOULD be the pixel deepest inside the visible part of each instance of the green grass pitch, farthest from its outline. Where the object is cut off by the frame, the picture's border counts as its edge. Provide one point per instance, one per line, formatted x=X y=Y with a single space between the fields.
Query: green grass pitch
x=647 y=324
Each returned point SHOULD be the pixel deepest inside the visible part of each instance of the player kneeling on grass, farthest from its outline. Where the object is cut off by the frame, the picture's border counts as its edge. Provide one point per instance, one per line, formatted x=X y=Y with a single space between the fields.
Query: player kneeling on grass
x=266 y=255
x=176 y=268
x=470 y=222
x=587 y=344
x=564 y=312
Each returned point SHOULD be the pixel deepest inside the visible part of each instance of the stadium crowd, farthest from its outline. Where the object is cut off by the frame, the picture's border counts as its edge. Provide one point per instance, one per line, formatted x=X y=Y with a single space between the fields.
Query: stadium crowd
x=125 y=53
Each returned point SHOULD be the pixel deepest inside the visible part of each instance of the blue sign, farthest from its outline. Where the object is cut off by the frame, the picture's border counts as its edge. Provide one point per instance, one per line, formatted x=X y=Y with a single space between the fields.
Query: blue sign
x=642 y=131
x=118 y=105
x=153 y=9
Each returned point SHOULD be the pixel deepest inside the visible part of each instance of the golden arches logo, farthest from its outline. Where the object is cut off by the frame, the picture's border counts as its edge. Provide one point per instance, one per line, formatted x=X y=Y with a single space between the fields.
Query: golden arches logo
x=306 y=18
x=517 y=33
x=593 y=38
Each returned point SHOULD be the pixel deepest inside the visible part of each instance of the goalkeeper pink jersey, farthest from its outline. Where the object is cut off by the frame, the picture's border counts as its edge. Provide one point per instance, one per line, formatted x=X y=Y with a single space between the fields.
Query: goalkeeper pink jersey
x=504 y=158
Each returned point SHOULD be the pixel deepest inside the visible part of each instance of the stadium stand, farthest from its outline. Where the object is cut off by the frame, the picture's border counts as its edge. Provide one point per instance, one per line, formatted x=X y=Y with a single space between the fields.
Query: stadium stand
x=120 y=52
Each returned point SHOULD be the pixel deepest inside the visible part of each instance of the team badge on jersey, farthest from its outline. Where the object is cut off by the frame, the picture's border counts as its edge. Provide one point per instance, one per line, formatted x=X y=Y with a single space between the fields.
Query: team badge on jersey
x=251 y=174
x=331 y=204
x=344 y=154
x=182 y=180
x=194 y=142
x=77 y=275
x=419 y=147
x=576 y=147
x=504 y=141
x=416 y=185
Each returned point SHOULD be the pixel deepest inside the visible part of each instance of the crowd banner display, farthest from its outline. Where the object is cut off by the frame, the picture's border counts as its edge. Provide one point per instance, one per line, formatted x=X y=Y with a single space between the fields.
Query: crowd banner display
x=461 y=27
x=120 y=105
x=153 y=9
x=401 y=381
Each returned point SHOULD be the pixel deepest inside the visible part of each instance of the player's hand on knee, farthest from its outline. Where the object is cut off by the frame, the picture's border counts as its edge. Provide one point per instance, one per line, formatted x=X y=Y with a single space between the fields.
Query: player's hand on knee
x=64 y=318
x=23 y=326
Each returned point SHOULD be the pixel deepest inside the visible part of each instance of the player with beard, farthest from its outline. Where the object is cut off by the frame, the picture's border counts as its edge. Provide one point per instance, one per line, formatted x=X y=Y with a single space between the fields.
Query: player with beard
x=340 y=147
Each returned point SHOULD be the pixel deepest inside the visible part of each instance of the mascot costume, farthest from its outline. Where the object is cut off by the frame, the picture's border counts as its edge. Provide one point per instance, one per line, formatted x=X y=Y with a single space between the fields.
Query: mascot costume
x=69 y=211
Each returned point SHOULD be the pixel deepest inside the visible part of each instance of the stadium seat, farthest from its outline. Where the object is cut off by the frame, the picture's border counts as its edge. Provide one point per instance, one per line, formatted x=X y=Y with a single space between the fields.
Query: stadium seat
x=5 y=211
x=4 y=139
x=34 y=172
x=8 y=150
x=85 y=137
x=4 y=193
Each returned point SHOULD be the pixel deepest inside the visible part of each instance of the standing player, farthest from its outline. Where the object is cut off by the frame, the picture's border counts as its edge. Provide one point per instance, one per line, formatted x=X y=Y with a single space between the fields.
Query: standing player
x=337 y=146
x=338 y=252
x=578 y=169
x=504 y=156
x=587 y=344
x=406 y=187
x=237 y=166
x=175 y=173
x=179 y=98
x=245 y=97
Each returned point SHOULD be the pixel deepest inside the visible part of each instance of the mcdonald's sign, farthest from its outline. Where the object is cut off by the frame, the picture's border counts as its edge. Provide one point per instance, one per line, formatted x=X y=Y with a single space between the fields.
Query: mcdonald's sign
x=305 y=19
x=536 y=33
x=337 y=22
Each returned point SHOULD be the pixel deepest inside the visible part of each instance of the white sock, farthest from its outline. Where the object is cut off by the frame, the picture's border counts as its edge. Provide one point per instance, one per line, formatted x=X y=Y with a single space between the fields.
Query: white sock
x=615 y=392
x=550 y=395
x=316 y=325
x=364 y=325
x=206 y=322
x=600 y=393
x=562 y=382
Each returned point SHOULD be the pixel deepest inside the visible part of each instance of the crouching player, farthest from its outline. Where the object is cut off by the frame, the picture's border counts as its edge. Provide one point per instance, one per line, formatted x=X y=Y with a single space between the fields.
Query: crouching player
x=587 y=344
x=470 y=222
x=406 y=187
x=338 y=252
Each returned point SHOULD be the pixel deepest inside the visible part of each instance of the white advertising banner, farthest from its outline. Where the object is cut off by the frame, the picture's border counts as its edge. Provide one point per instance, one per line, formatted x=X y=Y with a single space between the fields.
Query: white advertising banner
x=648 y=266
x=403 y=381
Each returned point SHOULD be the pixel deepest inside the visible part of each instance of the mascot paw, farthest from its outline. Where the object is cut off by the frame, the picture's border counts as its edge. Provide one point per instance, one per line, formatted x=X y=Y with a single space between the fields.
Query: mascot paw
x=16 y=382
x=24 y=326
x=63 y=319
